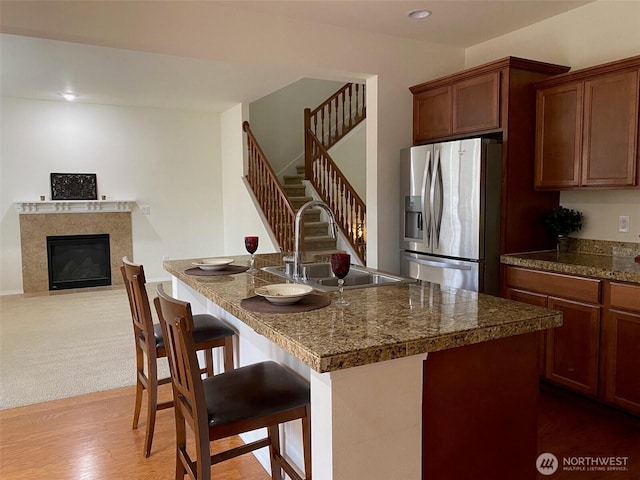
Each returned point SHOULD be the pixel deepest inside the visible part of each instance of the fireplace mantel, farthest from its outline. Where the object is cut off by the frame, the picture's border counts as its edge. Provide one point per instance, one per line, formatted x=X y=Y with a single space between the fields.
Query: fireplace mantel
x=74 y=206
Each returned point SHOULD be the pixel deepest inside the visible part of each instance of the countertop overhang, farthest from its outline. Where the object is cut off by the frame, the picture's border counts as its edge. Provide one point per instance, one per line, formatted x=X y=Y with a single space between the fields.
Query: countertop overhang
x=381 y=323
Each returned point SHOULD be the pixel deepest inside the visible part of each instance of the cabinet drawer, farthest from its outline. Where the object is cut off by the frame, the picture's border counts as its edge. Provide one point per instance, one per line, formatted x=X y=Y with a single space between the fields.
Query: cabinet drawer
x=554 y=284
x=625 y=296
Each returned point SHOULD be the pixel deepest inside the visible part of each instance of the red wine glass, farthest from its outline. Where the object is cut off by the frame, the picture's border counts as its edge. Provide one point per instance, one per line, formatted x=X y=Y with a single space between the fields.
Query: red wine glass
x=340 y=263
x=251 y=244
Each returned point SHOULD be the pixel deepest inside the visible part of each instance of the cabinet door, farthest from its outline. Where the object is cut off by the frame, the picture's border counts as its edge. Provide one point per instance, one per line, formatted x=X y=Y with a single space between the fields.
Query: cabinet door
x=476 y=104
x=431 y=114
x=572 y=349
x=540 y=301
x=558 y=136
x=610 y=140
x=621 y=345
x=622 y=330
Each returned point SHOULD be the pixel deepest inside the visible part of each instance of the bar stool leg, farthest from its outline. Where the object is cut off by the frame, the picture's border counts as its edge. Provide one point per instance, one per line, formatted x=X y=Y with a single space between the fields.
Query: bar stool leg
x=139 y=387
x=228 y=354
x=274 y=451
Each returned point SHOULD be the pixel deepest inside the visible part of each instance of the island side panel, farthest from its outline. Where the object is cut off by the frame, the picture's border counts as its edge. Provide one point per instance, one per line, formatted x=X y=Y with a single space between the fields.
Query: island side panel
x=365 y=421
x=480 y=411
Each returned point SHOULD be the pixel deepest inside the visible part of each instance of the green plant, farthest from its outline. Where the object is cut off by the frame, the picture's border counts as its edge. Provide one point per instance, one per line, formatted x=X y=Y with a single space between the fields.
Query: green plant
x=563 y=221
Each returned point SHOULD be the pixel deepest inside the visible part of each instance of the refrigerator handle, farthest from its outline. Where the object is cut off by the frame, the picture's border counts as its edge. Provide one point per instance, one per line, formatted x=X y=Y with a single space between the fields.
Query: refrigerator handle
x=426 y=185
x=437 y=182
x=432 y=263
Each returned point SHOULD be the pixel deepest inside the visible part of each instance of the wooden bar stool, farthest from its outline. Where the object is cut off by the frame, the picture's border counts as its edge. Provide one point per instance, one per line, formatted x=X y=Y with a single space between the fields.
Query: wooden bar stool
x=261 y=395
x=209 y=332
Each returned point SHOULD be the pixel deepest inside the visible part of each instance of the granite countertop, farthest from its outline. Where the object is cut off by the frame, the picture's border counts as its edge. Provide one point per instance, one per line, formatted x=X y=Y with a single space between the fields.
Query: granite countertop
x=583 y=263
x=381 y=323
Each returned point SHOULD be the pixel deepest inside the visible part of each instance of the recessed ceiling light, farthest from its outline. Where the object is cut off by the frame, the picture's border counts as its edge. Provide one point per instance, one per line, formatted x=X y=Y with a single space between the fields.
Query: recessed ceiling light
x=69 y=96
x=416 y=14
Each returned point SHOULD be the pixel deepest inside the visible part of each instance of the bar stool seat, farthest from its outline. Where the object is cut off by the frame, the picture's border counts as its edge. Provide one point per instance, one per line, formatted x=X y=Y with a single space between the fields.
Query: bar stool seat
x=207 y=328
x=273 y=389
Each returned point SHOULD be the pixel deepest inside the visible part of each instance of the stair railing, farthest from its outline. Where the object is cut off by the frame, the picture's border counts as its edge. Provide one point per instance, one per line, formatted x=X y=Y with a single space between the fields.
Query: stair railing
x=272 y=199
x=336 y=191
x=334 y=118
x=324 y=127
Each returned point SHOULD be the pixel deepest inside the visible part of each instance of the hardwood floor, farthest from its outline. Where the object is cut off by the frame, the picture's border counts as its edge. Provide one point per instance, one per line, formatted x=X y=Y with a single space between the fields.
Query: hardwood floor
x=90 y=437
x=571 y=426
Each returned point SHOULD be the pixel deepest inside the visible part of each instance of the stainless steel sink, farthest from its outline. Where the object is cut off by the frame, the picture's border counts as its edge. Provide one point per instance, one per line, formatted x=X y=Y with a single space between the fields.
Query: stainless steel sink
x=320 y=277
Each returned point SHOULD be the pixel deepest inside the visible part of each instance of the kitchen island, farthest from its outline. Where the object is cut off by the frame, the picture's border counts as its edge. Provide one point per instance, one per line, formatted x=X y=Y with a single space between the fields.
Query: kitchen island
x=409 y=381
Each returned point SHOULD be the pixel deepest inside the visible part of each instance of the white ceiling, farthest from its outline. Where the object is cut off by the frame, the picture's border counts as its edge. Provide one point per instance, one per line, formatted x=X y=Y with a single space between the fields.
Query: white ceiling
x=460 y=23
x=35 y=68
x=42 y=69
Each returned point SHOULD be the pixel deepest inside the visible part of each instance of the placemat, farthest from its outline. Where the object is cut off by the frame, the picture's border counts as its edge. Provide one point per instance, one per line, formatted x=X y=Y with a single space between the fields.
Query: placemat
x=308 y=303
x=228 y=270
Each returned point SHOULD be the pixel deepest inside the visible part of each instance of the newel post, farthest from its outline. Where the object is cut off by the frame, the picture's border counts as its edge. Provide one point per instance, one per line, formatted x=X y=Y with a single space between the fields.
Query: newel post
x=308 y=155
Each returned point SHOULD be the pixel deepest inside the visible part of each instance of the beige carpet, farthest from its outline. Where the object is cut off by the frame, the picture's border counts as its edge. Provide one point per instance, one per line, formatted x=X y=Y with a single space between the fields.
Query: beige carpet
x=65 y=344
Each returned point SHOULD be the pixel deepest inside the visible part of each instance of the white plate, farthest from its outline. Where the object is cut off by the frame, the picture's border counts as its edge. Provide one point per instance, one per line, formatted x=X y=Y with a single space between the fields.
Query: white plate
x=213 y=263
x=284 y=293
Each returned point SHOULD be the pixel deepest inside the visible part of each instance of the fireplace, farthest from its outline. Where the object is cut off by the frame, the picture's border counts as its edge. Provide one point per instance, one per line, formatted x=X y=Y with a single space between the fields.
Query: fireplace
x=39 y=220
x=77 y=261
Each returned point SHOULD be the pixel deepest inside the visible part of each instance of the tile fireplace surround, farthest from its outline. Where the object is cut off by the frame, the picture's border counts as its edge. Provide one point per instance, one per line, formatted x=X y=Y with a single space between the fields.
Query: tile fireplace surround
x=35 y=227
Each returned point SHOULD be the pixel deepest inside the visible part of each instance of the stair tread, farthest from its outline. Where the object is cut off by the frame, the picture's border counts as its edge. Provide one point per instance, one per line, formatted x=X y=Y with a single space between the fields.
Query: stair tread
x=318 y=237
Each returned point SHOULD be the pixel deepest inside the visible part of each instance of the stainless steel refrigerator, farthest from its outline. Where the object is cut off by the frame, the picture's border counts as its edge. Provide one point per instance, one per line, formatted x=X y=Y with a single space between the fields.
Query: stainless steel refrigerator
x=450 y=211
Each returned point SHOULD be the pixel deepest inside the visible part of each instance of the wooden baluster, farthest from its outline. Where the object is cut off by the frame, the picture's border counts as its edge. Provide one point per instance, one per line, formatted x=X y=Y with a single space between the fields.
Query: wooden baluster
x=352 y=120
x=345 y=125
x=342 y=195
x=322 y=123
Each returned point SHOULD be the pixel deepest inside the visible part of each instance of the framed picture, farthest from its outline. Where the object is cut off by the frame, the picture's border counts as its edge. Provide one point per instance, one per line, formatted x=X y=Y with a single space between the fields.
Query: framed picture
x=74 y=186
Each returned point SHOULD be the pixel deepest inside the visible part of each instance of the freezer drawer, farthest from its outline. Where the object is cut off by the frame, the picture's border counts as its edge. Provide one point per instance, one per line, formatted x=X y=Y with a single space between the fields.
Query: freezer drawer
x=446 y=272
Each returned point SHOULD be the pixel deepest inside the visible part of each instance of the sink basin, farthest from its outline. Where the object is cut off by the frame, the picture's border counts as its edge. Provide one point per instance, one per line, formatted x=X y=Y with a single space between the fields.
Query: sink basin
x=320 y=277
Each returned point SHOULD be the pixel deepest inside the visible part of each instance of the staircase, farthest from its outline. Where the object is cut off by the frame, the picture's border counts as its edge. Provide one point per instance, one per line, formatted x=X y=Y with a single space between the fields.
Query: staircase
x=315 y=231
x=324 y=127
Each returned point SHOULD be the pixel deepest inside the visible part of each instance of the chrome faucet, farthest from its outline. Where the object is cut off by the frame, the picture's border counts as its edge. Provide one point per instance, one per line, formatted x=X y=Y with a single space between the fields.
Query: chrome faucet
x=297 y=255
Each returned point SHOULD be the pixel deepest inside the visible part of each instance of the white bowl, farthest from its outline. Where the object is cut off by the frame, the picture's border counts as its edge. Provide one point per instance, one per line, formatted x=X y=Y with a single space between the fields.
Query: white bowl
x=284 y=293
x=213 y=263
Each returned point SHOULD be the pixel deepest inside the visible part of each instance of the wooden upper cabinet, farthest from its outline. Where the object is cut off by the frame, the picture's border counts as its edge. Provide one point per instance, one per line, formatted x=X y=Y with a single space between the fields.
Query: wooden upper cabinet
x=432 y=114
x=558 y=135
x=609 y=144
x=468 y=106
x=587 y=128
x=476 y=103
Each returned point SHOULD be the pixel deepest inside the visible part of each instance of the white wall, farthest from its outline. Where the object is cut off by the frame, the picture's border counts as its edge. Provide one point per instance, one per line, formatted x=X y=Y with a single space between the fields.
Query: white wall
x=350 y=156
x=167 y=159
x=596 y=33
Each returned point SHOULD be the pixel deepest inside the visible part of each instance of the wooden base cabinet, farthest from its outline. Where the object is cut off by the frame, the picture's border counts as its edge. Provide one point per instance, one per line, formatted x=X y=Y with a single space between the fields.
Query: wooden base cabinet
x=621 y=346
x=596 y=352
x=571 y=352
